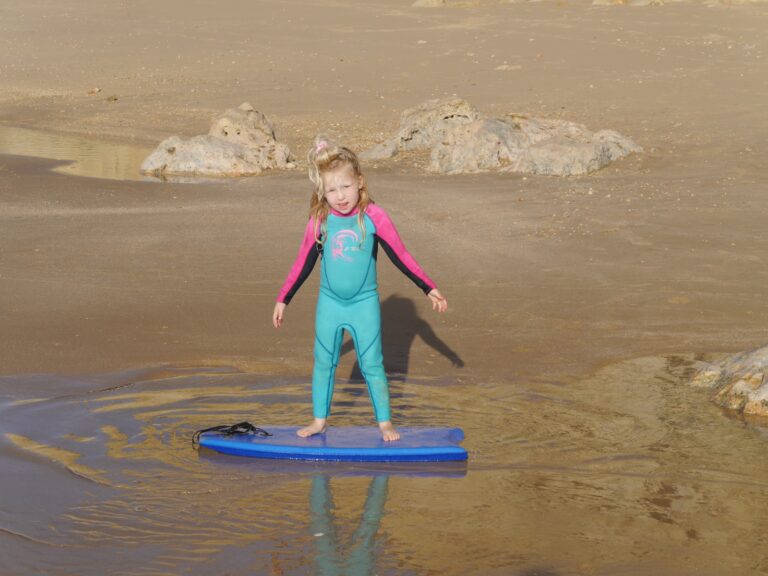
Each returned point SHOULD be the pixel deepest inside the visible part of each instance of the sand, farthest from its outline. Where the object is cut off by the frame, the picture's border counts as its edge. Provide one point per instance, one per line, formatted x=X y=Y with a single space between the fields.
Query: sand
x=656 y=252
x=546 y=278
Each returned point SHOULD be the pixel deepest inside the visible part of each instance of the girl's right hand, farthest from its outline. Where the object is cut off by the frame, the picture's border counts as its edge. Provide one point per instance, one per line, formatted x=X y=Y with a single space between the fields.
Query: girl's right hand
x=277 y=315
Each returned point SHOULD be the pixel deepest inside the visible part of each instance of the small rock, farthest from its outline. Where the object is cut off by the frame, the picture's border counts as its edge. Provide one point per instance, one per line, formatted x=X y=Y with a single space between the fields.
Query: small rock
x=738 y=382
x=239 y=143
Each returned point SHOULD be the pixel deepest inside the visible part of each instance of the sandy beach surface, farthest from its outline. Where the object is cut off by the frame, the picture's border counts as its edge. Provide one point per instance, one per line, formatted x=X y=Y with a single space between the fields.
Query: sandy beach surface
x=134 y=312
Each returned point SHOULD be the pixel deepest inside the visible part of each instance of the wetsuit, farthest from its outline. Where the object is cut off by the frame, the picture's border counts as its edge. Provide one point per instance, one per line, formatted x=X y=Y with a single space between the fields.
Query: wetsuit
x=349 y=298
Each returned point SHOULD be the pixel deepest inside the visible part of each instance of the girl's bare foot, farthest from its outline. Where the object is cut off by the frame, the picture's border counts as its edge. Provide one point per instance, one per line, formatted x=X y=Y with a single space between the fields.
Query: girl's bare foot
x=388 y=431
x=317 y=427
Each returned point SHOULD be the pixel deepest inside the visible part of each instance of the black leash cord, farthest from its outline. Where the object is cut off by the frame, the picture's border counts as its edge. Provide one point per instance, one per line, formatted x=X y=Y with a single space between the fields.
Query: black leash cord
x=224 y=430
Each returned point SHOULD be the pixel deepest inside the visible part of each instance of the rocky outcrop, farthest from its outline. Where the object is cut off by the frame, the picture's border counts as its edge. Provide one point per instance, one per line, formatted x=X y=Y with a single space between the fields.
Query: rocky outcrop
x=739 y=382
x=424 y=125
x=240 y=143
x=461 y=140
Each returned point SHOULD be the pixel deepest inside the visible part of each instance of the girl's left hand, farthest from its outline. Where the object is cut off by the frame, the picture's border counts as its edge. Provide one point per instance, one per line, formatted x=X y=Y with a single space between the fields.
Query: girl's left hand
x=439 y=302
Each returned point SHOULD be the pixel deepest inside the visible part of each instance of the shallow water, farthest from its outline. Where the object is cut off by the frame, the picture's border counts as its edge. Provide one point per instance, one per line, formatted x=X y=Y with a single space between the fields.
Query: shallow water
x=84 y=156
x=627 y=472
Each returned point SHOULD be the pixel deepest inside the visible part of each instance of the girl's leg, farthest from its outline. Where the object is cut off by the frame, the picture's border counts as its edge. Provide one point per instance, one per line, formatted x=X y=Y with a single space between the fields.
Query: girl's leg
x=328 y=336
x=367 y=335
x=324 y=372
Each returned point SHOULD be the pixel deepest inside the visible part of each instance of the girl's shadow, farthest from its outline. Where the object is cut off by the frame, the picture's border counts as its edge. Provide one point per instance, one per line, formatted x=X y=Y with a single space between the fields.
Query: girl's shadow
x=400 y=324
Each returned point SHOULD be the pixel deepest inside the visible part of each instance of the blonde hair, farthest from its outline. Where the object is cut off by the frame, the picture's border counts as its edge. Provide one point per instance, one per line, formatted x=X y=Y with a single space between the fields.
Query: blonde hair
x=323 y=157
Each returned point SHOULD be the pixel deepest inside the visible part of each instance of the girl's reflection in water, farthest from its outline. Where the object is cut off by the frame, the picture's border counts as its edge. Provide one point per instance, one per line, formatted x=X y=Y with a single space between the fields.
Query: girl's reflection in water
x=361 y=555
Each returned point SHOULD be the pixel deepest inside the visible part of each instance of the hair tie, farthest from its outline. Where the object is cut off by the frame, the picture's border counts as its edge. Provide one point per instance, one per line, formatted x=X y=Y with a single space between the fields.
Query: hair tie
x=320 y=145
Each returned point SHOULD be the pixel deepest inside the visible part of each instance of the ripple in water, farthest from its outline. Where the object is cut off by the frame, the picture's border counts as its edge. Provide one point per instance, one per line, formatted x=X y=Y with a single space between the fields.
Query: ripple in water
x=106 y=466
x=626 y=472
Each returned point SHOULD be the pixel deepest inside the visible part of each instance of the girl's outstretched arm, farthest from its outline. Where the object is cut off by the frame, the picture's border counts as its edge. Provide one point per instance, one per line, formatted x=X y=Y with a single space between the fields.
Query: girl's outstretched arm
x=390 y=241
x=277 y=315
x=439 y=302
x=302 y=266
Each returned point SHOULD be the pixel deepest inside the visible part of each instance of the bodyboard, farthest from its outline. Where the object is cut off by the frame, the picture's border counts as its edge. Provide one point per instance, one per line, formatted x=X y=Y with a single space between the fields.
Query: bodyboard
x=343 y=444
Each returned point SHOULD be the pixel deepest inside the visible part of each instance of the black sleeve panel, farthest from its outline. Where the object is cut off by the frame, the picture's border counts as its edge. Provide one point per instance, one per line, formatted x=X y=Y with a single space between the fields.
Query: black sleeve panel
x=426 y=288
x=306 y=270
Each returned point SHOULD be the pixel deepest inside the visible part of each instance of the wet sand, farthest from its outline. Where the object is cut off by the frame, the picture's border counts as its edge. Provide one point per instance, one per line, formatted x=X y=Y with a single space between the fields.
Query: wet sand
x=574 y=302
x=542 y=275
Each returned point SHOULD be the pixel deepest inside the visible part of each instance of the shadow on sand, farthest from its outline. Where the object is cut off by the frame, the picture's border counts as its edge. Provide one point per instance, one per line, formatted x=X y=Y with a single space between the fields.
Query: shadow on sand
x=400 y=325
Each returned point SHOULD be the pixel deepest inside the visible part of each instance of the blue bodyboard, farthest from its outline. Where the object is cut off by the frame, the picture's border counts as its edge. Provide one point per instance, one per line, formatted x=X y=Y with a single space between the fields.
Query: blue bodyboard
x=343 y=444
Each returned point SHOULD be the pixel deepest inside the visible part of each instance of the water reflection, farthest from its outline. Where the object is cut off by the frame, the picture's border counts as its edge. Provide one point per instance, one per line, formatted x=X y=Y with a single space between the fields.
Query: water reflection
x=84 y=156
x=360 y=554
x=625 y=472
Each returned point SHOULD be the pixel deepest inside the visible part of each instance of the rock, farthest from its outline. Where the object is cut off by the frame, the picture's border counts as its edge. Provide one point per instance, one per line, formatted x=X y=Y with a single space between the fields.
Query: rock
x=240 y=143
x=424 y=125
x=485 y=144
x=381 y=151
x=738 y=382
x=461 y=140
x=571 y=149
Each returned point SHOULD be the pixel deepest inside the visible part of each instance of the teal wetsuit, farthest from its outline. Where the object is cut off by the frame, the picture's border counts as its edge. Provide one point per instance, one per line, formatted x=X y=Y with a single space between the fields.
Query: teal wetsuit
x=349 y=298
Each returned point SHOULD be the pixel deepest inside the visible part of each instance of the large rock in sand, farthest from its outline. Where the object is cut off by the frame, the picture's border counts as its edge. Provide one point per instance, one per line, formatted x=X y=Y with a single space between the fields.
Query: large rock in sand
x=518 y=144
x=739 y=382
x=424 y=125
x=461 y=140
x=240 y=143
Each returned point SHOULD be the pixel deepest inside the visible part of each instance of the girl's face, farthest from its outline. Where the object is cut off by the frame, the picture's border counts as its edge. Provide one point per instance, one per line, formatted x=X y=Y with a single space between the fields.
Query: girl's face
x=342 y=188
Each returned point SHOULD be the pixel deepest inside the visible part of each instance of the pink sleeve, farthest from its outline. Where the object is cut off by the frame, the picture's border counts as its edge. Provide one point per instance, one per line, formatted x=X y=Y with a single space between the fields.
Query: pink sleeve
x=302 y=266
x=395 y=248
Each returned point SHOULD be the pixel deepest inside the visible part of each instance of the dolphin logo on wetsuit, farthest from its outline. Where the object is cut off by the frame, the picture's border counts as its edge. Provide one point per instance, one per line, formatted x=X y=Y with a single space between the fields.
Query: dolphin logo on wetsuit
x=343 y=241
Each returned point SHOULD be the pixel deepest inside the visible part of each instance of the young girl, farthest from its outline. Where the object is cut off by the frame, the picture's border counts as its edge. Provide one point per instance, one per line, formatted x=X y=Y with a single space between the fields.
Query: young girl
x=345 y=229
